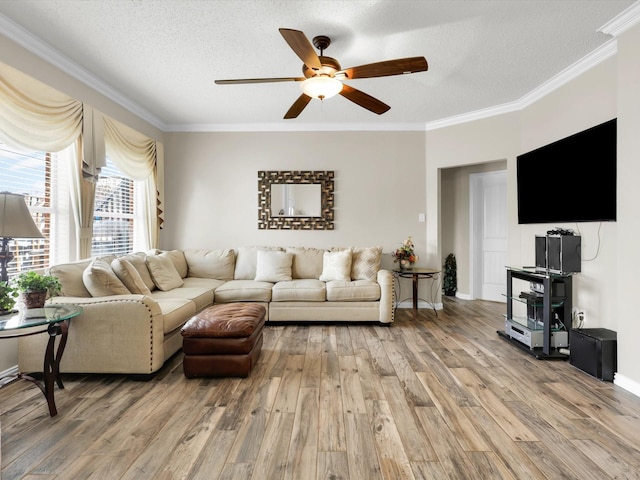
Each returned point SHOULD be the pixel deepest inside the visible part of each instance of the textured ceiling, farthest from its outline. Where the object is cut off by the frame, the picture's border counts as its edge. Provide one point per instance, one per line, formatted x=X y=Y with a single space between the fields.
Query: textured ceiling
x=162 y=56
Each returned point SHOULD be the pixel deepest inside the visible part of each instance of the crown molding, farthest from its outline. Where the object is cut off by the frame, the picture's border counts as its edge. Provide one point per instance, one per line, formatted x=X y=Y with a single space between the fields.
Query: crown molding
x=35 y=45
x=623 y=21
x=299 y=127
x=570 y=73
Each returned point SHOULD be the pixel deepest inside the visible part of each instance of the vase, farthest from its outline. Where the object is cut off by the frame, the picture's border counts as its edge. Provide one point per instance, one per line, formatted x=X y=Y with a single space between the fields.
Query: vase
x=405 y=264
x=34 y=299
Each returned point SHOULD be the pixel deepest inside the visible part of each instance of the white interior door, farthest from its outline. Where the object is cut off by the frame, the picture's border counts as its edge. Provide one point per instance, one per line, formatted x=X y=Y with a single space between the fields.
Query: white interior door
x=489 y=235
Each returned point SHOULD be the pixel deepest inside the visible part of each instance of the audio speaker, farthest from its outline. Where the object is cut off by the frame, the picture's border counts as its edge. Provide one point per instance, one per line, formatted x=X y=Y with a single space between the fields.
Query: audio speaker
x=564 y=253
x=594 y=350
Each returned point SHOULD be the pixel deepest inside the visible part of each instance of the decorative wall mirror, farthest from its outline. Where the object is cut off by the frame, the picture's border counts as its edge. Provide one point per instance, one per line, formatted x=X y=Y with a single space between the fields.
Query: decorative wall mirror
x=295 y=200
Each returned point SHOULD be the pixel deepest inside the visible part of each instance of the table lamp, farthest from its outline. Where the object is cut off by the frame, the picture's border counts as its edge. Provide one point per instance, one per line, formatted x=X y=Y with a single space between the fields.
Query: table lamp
x=15 y=222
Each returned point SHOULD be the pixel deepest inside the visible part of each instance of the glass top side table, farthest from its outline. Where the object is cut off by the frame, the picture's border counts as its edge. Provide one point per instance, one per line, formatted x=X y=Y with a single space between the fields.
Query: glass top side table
x=415 y=274
x=53 y=319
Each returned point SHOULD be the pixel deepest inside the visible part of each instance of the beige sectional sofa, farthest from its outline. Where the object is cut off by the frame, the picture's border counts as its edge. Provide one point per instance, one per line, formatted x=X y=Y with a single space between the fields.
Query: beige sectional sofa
x=134 y=305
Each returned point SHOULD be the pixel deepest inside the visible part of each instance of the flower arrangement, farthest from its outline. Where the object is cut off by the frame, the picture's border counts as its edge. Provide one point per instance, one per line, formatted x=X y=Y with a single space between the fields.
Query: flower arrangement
x=405 y=254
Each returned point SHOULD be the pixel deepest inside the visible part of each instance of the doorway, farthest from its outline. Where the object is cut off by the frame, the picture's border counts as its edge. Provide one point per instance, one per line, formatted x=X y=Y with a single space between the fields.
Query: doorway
x=488 y=230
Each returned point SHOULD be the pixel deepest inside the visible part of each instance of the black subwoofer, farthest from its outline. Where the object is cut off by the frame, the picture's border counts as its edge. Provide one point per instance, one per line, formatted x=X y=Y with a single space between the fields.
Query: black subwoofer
x=594 y=350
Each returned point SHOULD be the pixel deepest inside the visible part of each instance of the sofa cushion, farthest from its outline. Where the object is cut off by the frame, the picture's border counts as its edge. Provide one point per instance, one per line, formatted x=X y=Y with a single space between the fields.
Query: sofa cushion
x=273 y=266
x=353 y=291
x=129 y=275
x=195 y=282
x=365 y=263
x=139 y=263
x=163 y=272
x=217 y=264
x=307 y=262
x=101 y=281
x=202 y=297
x=70 y=277
x=243 y=291
x=175 y=312
x=336 y=266
x=307 y=290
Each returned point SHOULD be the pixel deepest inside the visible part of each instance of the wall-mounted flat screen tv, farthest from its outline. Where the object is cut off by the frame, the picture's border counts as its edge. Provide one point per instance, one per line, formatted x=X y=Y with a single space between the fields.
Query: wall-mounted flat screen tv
x=571 y=180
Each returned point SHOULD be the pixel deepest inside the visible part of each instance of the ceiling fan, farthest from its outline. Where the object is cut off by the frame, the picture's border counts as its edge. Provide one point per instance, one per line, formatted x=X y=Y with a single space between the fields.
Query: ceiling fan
x=323 y=75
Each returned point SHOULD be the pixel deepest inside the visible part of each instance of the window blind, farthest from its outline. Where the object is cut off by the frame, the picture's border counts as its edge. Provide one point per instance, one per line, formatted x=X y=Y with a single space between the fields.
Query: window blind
x=114 y=213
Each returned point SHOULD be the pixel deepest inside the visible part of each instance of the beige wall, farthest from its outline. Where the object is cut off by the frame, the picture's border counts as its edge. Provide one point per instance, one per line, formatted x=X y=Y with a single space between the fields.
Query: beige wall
x=624 y=276
x=212 y=188
x=467 y=145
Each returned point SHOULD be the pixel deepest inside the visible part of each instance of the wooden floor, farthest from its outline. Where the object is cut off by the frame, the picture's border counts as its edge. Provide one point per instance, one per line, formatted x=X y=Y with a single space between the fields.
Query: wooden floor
x=441 y=398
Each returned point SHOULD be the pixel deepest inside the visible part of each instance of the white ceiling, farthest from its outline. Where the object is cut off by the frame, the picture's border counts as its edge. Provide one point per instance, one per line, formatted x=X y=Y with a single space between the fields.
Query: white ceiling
x=160 y=57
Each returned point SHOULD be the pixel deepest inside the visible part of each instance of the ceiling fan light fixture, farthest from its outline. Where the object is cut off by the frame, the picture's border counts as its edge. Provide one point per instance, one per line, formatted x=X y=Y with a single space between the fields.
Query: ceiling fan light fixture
x=321 y=87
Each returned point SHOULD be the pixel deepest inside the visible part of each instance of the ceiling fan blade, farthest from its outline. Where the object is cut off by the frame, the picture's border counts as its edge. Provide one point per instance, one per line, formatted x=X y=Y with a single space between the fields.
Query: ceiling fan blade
x=364 y=100
x=302 y=47
x=259 y=80
x=387 y=68
x=297 y=106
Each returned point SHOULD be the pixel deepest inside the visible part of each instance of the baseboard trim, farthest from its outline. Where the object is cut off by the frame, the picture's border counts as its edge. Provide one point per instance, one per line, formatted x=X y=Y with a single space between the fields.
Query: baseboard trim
x=8 y=373
x=629 y=385
x=421 y=304
x=463 y=296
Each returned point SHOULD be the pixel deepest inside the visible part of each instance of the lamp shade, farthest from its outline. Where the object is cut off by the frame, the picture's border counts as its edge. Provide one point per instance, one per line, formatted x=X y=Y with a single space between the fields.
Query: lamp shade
x=15 y=219
x=321 y=86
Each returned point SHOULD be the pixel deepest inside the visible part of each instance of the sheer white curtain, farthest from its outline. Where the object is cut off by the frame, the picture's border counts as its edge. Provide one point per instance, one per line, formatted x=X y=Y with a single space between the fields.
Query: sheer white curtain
x=136 y=155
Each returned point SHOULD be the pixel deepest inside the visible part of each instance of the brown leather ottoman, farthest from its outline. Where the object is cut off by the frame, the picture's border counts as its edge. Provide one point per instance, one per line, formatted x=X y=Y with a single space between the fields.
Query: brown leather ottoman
x=223 y=340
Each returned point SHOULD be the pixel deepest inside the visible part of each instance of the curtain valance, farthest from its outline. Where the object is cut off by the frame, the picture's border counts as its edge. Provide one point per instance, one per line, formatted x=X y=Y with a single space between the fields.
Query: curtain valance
x=35 y=116
x=132 y=152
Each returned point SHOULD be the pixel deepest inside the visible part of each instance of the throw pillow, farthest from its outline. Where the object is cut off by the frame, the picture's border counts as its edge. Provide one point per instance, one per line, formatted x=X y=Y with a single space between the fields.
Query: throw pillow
x=273 y=266
x=164 y=273
x=365 y=263
x=129 y=275
x=138 y=261
x=307 y=262
x=246 y=262
x=218 y=264
x=336 y=266
x=177 y=257
x=100 y=280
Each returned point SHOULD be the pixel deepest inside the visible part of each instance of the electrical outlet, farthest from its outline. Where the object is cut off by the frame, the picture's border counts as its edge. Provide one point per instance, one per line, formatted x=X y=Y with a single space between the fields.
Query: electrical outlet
x=581 y=317
x=578 y=317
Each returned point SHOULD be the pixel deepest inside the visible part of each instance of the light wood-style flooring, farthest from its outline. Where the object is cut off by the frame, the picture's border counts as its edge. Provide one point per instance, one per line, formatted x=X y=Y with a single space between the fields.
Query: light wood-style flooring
x=428 y=398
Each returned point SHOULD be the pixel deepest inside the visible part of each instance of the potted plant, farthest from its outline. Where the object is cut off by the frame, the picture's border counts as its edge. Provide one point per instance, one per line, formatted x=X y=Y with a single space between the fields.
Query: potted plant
x=35 y=287
x=8 y=296
x=450 y=282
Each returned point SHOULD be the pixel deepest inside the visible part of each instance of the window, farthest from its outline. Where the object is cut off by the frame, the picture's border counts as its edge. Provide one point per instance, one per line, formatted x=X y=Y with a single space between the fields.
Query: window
x=30 y=173
x=114 y=213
